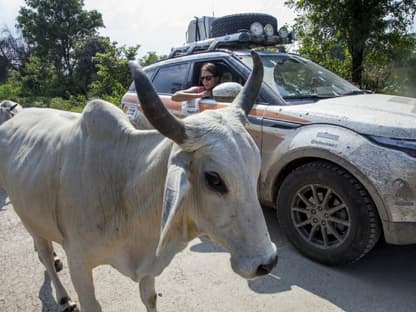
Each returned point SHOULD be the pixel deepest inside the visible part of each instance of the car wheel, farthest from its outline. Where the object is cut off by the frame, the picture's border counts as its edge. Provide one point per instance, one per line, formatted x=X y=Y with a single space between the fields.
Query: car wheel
x=234 y=23
x=327 y=214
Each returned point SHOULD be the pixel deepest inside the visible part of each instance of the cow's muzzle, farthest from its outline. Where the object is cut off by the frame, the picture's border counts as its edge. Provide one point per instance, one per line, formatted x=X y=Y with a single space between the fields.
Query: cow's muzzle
x=250 y=267
x=266 y=268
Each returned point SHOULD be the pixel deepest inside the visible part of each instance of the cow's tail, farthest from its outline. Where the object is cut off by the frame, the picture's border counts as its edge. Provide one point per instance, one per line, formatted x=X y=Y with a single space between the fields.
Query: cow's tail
x=8 y=109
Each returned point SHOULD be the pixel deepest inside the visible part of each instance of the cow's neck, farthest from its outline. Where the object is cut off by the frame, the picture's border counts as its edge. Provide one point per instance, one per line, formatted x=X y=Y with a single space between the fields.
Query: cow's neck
x=146 y=223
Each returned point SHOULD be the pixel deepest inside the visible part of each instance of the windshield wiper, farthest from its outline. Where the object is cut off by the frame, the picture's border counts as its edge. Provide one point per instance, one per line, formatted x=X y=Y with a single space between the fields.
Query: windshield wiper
x=314 y=97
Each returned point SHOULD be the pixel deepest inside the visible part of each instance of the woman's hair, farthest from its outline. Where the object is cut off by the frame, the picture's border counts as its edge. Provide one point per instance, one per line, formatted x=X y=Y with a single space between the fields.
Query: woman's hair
x=212 y=68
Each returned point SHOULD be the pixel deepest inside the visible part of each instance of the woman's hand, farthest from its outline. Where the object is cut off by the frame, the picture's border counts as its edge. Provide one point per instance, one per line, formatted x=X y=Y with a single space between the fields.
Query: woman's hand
x=205 y=93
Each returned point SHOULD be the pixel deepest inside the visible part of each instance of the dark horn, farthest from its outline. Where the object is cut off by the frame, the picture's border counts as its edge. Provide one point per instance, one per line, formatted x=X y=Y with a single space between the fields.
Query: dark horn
x=247 y=96
x=13 y=107
x=153 y=108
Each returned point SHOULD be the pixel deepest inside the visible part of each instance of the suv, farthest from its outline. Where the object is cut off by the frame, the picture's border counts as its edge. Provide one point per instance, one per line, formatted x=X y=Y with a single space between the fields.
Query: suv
x=338 y=163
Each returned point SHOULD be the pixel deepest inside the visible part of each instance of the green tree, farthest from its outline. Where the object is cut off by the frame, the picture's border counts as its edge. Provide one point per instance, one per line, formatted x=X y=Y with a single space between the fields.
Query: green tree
x=85 y=67
x=13 y=53
x=356 y=26
x=150 y=58
x=12 y=88
x=396 y=66
x=38 y=78
x=113 y=76
x=54 y=28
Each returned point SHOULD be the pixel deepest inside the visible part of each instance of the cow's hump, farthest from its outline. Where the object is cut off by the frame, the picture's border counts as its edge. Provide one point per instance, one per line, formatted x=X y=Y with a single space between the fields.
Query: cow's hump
x=104 y=120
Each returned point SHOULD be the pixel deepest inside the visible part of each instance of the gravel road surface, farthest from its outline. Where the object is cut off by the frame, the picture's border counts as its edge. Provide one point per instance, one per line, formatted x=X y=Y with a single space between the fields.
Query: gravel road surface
x=200 y=279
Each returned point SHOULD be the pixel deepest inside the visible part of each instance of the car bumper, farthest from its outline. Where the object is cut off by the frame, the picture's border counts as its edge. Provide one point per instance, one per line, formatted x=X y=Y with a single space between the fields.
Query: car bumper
x=393 y=175
x=400 y=233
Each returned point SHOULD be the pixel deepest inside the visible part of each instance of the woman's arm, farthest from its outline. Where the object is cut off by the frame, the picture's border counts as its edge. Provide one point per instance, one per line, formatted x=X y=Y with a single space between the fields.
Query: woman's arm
x=189 y=94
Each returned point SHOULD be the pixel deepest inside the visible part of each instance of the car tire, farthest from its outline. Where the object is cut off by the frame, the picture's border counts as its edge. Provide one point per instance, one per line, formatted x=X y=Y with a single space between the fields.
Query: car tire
x=327 y=214
x=234 y=23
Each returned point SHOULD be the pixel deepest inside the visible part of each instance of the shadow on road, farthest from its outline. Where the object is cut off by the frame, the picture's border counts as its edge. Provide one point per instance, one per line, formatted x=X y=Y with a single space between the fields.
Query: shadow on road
x=384 y=280
x=206 y=246
x=46 y=296
x=4 y=200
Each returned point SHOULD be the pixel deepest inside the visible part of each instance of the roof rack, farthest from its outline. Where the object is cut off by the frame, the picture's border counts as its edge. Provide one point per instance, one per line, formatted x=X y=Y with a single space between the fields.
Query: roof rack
x=242 y=39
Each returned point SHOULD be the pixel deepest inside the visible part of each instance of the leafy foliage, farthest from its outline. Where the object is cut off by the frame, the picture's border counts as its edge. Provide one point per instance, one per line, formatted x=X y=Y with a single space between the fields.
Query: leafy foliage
x=12 y=88
x=357 y=29
x=85 y=70
x=150 y=58
x=53 y=29
x=58 y=60
x=113 y=74
x=13 y=53
x=39 y=78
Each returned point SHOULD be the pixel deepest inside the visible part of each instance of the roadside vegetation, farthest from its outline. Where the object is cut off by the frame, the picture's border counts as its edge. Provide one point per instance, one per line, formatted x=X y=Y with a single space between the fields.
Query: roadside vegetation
x=56 y=57
x=371 y=43
x=59 y=60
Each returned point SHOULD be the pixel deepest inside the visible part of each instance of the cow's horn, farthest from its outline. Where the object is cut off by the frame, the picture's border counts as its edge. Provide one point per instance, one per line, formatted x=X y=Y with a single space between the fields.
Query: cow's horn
x=247 y=96
x=153 y=108
x=13 y=107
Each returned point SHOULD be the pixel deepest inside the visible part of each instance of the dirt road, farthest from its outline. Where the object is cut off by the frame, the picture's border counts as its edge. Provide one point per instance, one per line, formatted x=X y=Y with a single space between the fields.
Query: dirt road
x=200 y=279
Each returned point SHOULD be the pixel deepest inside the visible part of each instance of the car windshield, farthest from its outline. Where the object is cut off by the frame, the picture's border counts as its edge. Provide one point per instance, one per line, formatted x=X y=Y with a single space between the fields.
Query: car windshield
x=299 y=79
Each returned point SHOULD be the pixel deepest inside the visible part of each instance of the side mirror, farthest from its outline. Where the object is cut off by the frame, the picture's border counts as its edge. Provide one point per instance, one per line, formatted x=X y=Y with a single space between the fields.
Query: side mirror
x=226 y=91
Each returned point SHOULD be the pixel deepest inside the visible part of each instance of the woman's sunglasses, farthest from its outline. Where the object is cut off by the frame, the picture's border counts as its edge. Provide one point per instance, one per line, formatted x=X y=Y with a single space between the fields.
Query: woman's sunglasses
x=207 y=78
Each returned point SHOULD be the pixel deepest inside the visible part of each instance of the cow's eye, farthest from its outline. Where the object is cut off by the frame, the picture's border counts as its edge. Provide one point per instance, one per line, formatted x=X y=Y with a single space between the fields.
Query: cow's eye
x=215 y=182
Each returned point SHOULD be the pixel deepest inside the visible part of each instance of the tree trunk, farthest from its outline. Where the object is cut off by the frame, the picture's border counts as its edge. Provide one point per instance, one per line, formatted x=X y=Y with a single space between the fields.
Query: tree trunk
x=356 y=68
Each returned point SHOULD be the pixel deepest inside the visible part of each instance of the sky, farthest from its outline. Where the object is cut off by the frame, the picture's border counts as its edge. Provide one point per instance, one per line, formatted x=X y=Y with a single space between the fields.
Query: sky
x=158 y=25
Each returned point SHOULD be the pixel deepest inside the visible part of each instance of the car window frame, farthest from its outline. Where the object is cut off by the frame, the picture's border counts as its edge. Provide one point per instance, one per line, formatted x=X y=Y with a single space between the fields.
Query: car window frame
x=149 y=73
x=235 y=66
x=232 y=60
x=165 y=66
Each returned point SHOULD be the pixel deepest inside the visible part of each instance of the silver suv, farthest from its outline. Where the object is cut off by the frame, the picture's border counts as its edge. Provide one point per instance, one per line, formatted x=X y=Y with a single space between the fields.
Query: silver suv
x=338 y=163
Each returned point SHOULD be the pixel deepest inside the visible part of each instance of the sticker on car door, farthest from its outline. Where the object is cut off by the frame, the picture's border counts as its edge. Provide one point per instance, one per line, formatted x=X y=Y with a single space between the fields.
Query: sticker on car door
x=190 y=107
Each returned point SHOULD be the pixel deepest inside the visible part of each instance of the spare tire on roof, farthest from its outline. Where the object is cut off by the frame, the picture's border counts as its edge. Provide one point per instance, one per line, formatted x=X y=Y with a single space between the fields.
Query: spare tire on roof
x=230 y=24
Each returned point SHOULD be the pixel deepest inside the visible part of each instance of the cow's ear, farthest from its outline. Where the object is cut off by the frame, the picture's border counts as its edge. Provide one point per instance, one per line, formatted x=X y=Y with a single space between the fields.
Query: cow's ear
x=176 y=188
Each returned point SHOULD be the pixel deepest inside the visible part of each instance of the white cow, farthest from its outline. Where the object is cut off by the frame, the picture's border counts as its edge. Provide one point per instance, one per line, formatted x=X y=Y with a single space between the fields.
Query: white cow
x=112 y=194
x=8 y=109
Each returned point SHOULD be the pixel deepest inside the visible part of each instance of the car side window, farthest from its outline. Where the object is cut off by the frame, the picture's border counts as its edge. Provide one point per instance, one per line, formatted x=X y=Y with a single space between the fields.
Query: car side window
x=227 y=73
x=149 y=73
x=170 y=79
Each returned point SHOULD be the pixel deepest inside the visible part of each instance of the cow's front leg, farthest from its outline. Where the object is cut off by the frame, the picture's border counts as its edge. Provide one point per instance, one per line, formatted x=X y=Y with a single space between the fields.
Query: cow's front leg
x=81 y=276
x=46 y=256
x=148 y=293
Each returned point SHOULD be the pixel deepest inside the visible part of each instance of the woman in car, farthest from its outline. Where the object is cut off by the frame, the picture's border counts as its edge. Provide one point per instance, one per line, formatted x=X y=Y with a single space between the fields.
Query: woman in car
x=209 y=78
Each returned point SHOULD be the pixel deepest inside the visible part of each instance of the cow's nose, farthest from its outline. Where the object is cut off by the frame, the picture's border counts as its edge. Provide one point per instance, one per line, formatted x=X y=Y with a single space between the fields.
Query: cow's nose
x=265 y=269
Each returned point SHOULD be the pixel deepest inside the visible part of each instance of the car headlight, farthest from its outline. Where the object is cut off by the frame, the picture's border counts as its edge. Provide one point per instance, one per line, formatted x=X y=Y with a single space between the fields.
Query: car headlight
x=268 y=30
x=406 y=146
x=256 y=28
